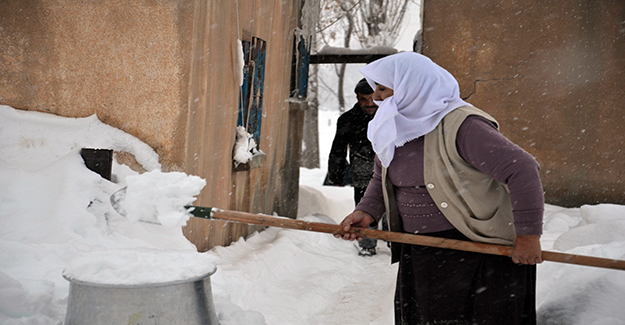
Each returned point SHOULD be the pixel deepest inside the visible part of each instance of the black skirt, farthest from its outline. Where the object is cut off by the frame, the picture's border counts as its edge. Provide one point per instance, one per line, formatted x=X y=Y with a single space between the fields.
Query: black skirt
x=444 y=286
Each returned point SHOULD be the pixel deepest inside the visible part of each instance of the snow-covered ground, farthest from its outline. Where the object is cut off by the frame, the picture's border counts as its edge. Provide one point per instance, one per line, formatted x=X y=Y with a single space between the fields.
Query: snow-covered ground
x=55 y=215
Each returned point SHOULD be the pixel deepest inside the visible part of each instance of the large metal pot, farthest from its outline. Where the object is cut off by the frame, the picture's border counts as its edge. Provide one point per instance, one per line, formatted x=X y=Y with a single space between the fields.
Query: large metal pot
x=187 y=302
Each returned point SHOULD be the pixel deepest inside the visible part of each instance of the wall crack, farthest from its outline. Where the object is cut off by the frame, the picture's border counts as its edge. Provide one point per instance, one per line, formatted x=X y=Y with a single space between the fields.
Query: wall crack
x=516 y=70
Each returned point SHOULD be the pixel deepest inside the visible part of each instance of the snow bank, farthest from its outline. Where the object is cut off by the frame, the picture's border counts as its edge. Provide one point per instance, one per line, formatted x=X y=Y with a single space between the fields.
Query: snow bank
x=56 y=214
x=334 y=202
x=32 y=138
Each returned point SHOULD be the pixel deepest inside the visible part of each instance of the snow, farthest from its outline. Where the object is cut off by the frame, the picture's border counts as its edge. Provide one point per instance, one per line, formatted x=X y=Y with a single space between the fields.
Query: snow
x=240 y=62
x=244 y=147
x=27 y=138
x=56 y=217
x=346 y=51
x=137 y=266
x=309 y=19
x=160 y=197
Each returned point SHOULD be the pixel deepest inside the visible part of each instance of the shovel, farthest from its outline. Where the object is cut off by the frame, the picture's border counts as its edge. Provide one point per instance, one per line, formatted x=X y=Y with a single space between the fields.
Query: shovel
x=406 y=238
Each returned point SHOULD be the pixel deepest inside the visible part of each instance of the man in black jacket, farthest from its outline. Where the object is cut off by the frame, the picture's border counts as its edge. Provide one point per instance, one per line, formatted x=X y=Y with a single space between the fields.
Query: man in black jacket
x=351 y=134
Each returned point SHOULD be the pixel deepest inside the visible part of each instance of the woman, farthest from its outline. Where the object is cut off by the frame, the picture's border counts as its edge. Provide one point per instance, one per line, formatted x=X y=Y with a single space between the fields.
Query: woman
x=443 y=169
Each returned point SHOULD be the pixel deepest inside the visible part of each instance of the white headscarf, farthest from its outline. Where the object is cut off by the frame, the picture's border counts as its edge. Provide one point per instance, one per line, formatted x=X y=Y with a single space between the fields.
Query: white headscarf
x=423 y=93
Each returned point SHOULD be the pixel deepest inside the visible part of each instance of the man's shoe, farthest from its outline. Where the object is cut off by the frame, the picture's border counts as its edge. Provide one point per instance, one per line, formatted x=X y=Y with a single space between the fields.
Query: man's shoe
x=370 y=251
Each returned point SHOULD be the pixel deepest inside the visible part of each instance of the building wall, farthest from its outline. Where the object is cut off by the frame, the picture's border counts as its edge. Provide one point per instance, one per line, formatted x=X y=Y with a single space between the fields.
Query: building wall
x=552 y=72
x=126 y=61
x=164 y=71
x=264 y=189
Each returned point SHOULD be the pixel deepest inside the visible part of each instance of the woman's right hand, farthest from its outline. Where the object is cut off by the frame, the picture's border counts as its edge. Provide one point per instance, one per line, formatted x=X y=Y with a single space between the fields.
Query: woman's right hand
x=355 y=219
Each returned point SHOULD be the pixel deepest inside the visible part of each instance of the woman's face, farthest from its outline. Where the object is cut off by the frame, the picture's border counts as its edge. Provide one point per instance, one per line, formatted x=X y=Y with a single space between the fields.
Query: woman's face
x=382 y=92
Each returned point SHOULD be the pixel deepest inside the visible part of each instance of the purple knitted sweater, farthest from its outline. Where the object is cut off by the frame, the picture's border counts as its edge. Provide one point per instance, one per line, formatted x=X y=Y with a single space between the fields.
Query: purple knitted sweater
x=484 y=147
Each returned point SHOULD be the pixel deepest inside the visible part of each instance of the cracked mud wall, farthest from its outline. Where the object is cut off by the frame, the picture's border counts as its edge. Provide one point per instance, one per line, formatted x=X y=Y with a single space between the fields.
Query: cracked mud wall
x=553 y=74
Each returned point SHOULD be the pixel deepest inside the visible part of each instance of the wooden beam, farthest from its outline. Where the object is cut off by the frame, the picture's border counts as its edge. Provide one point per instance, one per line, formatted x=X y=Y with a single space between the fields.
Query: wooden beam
x=344 y=58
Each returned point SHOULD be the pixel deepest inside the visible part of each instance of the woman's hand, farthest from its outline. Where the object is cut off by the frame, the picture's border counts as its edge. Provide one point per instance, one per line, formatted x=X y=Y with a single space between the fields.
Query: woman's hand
x=356 y=219
x=527 y=250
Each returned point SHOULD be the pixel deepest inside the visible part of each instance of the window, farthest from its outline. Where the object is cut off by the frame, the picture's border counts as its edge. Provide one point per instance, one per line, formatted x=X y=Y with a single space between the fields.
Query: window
x=299 y=68
x=247 y=154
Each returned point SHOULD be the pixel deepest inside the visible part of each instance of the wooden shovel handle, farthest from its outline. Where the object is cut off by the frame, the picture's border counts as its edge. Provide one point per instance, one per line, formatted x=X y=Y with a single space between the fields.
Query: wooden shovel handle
x=406 y=238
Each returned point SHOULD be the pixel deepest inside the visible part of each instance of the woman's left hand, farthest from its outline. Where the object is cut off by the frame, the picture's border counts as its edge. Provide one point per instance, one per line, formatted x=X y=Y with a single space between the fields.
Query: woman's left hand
x=527 y=250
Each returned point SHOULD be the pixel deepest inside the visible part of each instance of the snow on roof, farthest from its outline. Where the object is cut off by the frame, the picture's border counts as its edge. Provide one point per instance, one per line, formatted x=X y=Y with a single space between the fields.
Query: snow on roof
x=330 y=50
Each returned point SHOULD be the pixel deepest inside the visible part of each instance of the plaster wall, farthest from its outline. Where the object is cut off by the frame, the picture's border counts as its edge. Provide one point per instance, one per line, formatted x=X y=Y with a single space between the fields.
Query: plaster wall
x=126 y=61
x=552 y=73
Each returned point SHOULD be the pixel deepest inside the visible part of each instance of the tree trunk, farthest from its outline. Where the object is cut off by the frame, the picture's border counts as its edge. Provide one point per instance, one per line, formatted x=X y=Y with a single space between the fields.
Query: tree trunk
x=341 y=73
x=310 y=145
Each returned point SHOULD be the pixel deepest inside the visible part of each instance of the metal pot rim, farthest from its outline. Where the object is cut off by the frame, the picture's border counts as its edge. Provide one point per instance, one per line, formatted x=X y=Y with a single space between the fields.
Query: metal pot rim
x=139 y=285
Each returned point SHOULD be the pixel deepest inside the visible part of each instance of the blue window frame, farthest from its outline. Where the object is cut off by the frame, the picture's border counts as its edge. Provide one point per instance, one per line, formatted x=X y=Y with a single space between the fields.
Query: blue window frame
x=251 y=93
x=299 y=68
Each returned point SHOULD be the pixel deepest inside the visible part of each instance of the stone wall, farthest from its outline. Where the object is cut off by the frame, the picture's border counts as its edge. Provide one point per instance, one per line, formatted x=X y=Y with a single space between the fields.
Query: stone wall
x=553 y=74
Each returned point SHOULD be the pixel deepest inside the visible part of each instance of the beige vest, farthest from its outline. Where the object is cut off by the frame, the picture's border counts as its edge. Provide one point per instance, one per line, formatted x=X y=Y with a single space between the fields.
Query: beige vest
x=474 y=203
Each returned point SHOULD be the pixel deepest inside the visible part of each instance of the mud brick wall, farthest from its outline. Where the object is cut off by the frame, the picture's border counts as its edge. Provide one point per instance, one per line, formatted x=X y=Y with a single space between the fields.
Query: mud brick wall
x=553 y=74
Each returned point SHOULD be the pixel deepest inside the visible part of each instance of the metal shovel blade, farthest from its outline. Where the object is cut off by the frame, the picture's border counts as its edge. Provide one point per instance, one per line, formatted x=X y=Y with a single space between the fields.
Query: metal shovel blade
x=117 y=201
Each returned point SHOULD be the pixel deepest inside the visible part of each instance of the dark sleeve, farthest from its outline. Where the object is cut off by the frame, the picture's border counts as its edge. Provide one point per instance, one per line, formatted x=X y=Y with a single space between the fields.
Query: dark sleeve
x=373 y=200
x=338 y=152
x=483 y=146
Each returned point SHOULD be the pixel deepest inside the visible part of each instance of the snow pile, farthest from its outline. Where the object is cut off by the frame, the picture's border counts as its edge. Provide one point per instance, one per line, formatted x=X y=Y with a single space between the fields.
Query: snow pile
x=601 y=224
x=161 y=197
x=26 y=141
x=244 y=147
x=334 y=202
x=573 y=294
x=139 y=266
x=54 y=210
